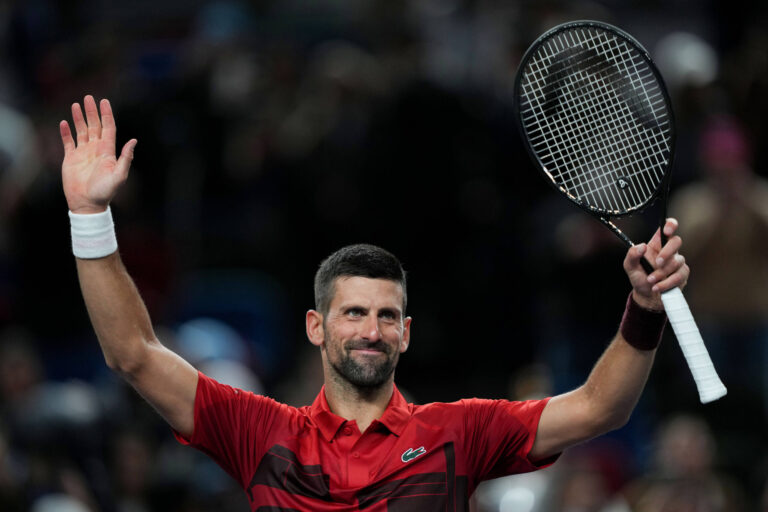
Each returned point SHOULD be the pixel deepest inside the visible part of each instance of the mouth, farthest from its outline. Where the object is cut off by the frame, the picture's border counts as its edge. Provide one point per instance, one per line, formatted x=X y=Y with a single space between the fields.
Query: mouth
x=368 y=349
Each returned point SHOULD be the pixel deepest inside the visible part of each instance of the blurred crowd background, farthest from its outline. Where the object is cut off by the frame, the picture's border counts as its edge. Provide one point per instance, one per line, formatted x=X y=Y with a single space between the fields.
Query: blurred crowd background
x=273 y=132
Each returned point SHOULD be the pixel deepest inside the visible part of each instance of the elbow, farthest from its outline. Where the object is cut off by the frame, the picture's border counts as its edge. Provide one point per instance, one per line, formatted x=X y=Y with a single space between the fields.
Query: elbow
x=129 y=363
x=617 y=421
x=605 y=417
x=609 y=419
x=124 y=367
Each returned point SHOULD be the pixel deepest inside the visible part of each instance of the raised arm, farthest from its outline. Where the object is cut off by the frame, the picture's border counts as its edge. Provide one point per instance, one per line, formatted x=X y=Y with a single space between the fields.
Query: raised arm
x=606 y=400
x=91 y=175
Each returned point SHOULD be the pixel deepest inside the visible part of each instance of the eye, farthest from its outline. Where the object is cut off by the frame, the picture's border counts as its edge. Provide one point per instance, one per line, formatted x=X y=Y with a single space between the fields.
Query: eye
x=355 y=312
x=387 y=314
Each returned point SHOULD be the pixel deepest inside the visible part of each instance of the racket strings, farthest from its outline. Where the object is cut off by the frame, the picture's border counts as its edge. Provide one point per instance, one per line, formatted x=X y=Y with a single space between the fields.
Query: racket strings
x=588 y=180
x=599 y=152
x=608 y=136
x=612 y=140
x=603 y=135
x=589 y=160
x=573 y=125
x=602 y=150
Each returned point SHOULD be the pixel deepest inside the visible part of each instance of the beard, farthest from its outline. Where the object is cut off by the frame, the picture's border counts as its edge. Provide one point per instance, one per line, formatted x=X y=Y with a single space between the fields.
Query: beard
x=366 y=372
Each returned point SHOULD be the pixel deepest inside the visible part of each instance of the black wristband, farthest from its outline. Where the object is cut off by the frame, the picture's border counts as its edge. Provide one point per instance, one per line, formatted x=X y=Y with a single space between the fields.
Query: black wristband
x=642 y=328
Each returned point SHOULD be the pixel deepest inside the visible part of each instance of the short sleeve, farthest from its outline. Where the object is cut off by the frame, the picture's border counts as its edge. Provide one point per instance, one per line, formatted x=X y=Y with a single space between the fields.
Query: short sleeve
x=500 y=435
x=232 y=426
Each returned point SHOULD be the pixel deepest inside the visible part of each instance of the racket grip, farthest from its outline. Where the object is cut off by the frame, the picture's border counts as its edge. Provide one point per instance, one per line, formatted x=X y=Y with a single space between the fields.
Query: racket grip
x=708 y=383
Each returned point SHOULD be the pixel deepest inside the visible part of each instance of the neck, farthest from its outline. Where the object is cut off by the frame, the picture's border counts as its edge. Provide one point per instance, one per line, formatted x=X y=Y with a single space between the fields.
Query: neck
x=360 y=404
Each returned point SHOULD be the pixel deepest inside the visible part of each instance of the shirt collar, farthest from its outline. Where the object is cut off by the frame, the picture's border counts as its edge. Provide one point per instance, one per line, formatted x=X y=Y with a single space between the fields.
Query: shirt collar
x=397 y=413
x=395 y=416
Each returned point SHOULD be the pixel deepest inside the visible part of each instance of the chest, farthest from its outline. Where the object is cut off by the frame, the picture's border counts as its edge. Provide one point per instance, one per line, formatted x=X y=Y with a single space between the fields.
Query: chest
x=418 y=470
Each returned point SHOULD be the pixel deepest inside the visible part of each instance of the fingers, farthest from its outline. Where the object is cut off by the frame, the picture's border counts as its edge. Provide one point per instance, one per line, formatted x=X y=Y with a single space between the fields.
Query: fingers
x=658 y=254
x=676 y=275
x=670 y=268
x=92 y=116
x=668 y=251
x=92 y=126
x=109 y=130
x=673 y=273
x=634 y=255
x=66 y=137
x=124 y=162
x=80 y=127
x=670 y=226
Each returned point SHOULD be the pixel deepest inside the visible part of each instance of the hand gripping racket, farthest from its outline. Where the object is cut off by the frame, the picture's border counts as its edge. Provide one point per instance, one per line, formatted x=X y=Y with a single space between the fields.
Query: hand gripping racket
x=596 y=118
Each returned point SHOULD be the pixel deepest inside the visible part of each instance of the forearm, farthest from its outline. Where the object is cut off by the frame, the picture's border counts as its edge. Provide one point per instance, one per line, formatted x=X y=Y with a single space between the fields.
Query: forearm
x=615 y=384
x=125 y=333
x=603 y=403
x=606 y=400
x=118 y=314
x=617 y=380
x=91 y=176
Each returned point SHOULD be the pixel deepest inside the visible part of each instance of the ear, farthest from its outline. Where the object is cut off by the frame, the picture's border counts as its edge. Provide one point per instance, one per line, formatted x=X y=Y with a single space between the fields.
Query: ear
x=315 y=331
x=406 y=334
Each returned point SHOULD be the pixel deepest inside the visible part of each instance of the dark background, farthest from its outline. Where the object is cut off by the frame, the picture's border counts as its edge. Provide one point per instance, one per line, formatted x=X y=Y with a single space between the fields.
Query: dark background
x=271 y=134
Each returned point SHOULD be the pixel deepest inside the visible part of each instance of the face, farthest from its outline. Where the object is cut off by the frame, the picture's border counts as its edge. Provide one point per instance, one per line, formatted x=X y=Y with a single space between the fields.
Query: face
x=364 y=331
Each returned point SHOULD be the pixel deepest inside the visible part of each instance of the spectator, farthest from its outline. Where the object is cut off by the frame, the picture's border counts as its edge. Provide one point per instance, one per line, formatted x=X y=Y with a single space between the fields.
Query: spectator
x=728 y=208
x=683 y=477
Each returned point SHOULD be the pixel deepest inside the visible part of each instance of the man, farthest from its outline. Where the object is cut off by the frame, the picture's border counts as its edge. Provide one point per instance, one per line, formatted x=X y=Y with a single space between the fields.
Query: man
x=360 y=445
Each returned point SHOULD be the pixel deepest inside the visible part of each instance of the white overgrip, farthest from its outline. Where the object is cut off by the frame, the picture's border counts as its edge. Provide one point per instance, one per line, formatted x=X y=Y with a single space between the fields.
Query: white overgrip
x=708 y=383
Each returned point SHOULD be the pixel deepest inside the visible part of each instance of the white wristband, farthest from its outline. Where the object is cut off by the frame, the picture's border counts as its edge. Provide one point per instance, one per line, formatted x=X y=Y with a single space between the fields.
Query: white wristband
x=93 y=235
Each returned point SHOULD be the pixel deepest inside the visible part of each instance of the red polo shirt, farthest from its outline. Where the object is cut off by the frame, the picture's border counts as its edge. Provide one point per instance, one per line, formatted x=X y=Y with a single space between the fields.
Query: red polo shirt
x=413 y=458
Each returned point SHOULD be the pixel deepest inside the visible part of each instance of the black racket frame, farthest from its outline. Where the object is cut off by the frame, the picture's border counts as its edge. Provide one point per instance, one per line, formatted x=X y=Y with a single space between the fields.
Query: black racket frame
x=662 y=190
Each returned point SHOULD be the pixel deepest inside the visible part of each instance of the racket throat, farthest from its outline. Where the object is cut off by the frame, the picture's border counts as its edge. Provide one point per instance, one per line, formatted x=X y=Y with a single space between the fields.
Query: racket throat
x=624 y=238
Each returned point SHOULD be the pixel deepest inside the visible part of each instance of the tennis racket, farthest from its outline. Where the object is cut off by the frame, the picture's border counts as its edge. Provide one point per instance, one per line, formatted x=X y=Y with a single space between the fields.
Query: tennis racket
x=597 y=121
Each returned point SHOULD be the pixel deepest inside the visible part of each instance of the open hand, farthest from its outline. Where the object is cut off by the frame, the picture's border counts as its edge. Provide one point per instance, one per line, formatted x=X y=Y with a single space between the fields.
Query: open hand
x=670 y=271
x=90 y=172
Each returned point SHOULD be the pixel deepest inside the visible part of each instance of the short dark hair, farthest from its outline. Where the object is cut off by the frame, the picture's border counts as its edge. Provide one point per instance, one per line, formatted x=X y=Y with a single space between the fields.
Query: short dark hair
x=358 y=260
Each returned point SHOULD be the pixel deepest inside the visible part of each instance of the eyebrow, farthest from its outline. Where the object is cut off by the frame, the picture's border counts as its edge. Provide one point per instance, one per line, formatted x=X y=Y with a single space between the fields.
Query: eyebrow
x=395 y=311
x=386 y=309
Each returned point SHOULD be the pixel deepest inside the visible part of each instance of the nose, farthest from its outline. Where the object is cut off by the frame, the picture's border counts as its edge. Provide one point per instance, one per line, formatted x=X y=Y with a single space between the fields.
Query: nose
x=371 y=331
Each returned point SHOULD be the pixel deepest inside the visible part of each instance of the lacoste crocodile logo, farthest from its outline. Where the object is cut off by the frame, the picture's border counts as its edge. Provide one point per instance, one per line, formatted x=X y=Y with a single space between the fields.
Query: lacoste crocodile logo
x=410 y=453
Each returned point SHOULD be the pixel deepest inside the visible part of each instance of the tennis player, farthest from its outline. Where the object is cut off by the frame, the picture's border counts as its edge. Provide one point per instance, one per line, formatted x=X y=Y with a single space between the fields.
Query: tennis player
x=360 y=445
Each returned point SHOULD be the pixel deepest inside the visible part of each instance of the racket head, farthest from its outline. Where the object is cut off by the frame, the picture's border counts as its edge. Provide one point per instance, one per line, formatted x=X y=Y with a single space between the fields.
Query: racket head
x=596 y=117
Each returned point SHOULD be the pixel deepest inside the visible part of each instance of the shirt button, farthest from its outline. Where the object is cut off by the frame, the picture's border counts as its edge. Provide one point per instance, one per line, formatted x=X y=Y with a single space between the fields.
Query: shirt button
x=356 y=455
x=347 y=431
